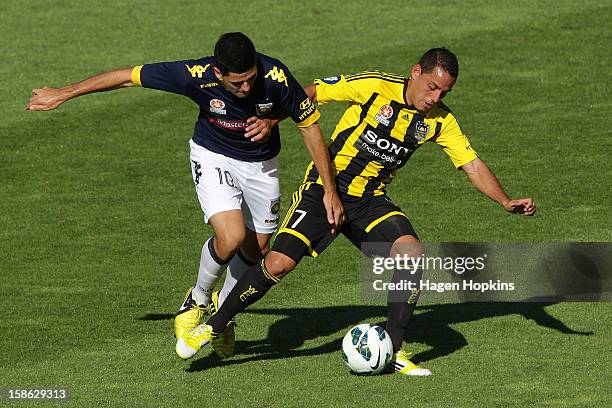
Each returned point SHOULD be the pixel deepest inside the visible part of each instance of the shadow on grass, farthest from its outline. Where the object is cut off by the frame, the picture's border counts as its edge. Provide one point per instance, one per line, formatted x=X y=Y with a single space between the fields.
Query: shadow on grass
x=156 y=316
x=432 y=326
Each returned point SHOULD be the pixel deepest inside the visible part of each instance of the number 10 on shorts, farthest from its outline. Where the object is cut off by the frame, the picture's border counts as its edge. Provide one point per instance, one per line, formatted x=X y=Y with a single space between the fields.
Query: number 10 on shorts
x=224 y=174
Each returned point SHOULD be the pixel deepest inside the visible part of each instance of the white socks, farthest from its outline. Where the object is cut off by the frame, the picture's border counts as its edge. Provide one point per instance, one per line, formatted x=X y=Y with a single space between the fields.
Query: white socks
x=211 y=268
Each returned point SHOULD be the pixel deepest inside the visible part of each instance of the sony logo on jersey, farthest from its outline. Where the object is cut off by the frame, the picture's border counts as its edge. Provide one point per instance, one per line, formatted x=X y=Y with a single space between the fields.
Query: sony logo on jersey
x=382 y=148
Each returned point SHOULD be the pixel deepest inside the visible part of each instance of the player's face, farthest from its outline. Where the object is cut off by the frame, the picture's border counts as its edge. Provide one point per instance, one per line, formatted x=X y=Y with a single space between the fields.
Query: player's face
x=425 y=90
x=240 y=85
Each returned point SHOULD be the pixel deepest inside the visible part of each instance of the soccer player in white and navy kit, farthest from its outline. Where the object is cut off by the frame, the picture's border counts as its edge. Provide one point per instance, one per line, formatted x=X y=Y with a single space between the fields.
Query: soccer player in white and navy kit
x=242 y=94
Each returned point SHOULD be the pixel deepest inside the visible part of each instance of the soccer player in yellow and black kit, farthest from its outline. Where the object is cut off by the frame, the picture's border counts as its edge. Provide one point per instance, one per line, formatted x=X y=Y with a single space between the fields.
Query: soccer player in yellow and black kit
x=388 y=118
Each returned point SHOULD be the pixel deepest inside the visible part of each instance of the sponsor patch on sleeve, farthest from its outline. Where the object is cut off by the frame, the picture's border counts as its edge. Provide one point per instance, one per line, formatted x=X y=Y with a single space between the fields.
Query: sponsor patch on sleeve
x=331 y=80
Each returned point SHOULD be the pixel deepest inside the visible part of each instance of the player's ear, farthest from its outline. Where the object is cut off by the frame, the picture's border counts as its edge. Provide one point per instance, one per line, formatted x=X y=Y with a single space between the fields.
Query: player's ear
x=416 y=71
x=217 y=73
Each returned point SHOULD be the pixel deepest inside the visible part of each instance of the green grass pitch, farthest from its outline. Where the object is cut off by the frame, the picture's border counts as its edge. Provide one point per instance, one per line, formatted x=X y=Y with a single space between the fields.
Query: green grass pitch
x=101 y=230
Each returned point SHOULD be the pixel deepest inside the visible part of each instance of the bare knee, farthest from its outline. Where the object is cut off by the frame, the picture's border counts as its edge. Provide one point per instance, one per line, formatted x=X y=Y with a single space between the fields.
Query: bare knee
x=279 y=265
x=407 y=245
x=227 y=242
x=230 y=232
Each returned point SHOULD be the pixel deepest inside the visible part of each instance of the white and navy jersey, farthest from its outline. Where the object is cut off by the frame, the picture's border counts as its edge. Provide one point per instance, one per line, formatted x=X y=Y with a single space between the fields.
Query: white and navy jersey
x=221 y=123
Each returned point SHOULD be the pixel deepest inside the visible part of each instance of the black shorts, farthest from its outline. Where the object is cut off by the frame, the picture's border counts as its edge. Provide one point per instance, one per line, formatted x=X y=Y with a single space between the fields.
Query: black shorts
x=306 y=231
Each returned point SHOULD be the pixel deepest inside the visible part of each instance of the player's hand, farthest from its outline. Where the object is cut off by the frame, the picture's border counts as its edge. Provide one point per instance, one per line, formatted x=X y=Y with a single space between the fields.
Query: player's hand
x=524 y=206
x=44 y=99
x=258 y=129
x=335 y=210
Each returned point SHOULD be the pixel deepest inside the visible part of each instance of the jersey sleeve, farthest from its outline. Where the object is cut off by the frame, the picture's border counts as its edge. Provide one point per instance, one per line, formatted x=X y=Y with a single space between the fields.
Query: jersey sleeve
x=168 y=76
x=455 y=143
x=293 y=97
x=341 y=88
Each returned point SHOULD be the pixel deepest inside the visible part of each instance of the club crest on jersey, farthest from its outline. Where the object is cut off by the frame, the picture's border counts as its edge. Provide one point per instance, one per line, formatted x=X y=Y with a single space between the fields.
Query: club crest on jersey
x=331 y=80
x=274 y=206
x=383 y=115
x=263 y=108
x=217 y=106
x=421 y=130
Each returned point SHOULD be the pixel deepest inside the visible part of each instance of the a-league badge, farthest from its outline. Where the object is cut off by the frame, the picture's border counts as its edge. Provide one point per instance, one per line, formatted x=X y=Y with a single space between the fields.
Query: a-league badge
x=217 y=106
x=384 y=114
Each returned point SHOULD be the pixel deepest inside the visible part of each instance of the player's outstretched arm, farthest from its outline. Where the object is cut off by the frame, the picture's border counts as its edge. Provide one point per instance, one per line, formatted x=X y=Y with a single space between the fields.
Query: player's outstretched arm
x=485 y=181
x=44 y=99
x=313 y=139
x=311 y=91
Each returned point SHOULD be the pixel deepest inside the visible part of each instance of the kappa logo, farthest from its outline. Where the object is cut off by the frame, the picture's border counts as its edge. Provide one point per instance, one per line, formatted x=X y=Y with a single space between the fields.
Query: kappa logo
x=421 y=130
x=217 y=106
x=278 y=75
x=383 y=115
x=197 y=70
x=197 y=174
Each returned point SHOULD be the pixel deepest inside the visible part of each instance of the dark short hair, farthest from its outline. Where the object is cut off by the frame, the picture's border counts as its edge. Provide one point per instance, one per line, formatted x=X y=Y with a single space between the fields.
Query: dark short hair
x=440 y=57
x=234 y=52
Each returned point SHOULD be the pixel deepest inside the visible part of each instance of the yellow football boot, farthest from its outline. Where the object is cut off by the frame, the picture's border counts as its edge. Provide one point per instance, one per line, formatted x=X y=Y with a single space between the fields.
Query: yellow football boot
x=190 y=315
x=191 y=342
x=400 y=363
x=224 y=343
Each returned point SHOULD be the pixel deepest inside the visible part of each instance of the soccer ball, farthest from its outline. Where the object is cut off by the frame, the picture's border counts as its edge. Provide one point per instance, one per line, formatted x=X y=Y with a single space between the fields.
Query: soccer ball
x=367 y=349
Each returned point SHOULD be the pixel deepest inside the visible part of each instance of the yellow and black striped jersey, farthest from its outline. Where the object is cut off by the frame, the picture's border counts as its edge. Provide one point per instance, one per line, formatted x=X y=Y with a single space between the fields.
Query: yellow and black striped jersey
x=379 y=131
